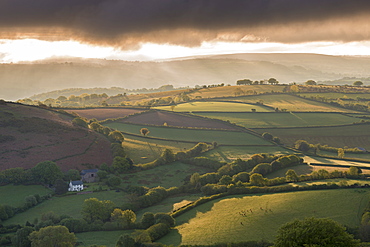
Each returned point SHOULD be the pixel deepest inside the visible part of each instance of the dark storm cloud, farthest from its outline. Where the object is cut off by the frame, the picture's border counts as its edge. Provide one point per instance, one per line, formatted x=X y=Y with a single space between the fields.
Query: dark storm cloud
x=186 y=21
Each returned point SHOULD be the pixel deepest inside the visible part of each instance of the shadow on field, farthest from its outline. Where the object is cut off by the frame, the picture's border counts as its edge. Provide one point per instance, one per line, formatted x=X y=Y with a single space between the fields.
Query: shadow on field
x=186 y=217
x=223 y=155
x=173 y=237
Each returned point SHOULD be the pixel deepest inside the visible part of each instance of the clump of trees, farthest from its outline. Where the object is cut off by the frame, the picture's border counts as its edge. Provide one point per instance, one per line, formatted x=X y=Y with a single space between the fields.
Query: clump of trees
x=304 y=146
x=314 y=232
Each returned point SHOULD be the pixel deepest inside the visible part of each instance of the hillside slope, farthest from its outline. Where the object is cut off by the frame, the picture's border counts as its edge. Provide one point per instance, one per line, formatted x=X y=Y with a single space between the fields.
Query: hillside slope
x=29 y=135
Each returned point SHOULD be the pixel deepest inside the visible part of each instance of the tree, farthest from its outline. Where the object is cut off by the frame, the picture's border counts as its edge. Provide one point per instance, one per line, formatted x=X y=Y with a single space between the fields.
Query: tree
x=291 y=176
x=340 y=153
x=147 y=220
x=125 y=241
x=144 y=131
x=262 y=168
x=241 y=176
x=73 y=174
x=116 y=136
x=46 y=172
x=80 y=122
x=358 y=83
x=314 y=232
x=57 y=236
x=244 y=82
x=195 y=180
x=61 y=187
x=120 y=164
x=310 y=83
x=93 y=209
x=21 y=237
x=124 y=218
x=354 y=171
x=302 y=145
x=273 y=81
x=257 y=179
x=267 y=136
x=225 y=180
x=114 y=181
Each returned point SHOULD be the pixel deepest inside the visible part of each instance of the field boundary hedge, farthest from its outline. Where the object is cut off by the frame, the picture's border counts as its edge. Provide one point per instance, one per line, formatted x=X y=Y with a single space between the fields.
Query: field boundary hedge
x=259 y=190
x=312 y=127
x=336 y=165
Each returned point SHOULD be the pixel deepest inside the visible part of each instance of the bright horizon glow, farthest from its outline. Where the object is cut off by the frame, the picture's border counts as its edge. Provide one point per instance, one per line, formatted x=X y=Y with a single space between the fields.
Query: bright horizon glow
x=28 y=50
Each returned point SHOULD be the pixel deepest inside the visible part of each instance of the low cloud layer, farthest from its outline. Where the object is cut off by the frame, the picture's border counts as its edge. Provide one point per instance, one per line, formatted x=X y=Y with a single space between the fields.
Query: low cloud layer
x=125 y=23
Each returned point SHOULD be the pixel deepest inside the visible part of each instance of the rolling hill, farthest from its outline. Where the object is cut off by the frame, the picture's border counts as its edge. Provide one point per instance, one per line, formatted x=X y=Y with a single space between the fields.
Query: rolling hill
x=29 y=135
x=24 y=80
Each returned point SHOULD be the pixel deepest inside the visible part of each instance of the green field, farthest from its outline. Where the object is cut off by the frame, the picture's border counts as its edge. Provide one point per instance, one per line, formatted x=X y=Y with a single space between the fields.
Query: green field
x=229 y=91
x=215 y=106
x=340 y=136
x=228 y=154
x=219 y=220
x=193 y=135
x=334 y=96
x=66 y=205
x=14 y=195
x=166 y=176
x=290 y=103
x=143 y=150
x=106 y=238
x=282 y=119
x=169 y=204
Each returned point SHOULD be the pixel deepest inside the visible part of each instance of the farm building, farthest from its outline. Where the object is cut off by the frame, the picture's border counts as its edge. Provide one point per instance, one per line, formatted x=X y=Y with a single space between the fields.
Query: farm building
x=89 y=175
x=75 y=186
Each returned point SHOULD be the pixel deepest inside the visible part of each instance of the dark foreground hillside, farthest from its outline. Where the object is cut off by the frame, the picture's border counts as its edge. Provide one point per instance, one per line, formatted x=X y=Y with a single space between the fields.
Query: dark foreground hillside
x=29 y=135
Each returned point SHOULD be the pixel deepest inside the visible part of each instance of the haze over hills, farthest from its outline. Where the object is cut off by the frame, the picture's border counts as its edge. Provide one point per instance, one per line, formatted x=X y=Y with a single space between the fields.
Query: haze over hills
x=24 y=80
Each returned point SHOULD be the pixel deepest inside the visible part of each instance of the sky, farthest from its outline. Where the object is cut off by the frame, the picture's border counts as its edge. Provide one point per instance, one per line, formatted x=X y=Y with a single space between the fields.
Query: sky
x=161 y=29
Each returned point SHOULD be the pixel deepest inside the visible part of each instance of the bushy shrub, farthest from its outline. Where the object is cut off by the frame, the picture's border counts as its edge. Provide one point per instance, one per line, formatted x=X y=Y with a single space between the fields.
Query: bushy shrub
x=158 y=230
x=262 y=168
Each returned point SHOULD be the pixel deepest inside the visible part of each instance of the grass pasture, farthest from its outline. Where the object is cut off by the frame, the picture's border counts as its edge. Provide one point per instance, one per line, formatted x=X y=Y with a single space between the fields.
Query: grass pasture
x=67 y=205
x=290 y=103
x=219 y=220
x=169 y=204
x=193 y=135
x=340 y=136
x=215 y=106
x=228 y=154
x=143 y=150
x=282 y=119
x=14 y=195
x=166 y=176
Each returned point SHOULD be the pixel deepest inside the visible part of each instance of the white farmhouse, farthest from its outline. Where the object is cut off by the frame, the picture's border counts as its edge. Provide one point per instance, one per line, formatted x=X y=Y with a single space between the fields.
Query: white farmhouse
x=76 y=186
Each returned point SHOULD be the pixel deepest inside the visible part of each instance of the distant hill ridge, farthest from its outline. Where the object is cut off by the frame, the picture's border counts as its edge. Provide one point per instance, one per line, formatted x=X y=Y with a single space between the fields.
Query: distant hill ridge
x=23 y=80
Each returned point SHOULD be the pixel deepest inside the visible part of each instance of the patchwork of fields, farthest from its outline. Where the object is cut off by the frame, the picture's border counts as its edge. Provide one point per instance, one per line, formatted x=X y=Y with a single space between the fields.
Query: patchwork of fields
x=289 y=103
x=282 y=119
x=235 y=128
x=340 y=136
x=193 y=135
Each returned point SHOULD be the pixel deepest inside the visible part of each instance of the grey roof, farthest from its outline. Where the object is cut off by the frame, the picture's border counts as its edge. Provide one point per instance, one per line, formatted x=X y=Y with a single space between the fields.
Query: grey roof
x=77 y=182
x=83 y=172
